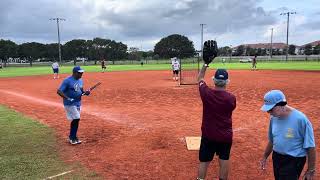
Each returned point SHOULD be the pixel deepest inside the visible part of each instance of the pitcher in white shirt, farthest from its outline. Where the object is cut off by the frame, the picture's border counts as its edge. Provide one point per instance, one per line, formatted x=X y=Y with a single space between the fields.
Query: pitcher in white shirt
x=176 y=69
x=55 y=69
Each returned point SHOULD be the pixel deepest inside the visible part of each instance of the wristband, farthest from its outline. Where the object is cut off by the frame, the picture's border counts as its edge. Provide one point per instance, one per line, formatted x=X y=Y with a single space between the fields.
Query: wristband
x=311 y=171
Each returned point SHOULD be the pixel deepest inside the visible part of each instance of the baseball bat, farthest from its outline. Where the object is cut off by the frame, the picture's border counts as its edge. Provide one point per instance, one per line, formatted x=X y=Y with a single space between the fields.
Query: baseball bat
x=93 y=87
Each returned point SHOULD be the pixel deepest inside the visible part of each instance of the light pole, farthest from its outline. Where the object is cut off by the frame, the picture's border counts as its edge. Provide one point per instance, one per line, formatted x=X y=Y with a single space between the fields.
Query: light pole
x=288 y=17
x=271 y=43
x=202 y=39
x=59 y=46
x=230 y=53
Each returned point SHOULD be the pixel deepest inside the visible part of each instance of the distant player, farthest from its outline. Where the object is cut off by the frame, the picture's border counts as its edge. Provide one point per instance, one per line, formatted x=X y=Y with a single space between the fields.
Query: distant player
x=223 y=61
x=175 y=69
x=55 y=69
x=103 y=65
x=254 y=63
x=141 y=62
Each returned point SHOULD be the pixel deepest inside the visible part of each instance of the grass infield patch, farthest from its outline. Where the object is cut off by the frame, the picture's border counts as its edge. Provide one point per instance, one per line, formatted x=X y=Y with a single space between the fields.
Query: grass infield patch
x=28 y=150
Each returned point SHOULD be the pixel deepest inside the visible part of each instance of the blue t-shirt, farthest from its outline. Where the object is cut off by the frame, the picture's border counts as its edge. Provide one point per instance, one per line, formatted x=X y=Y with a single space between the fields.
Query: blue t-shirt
x=292 y=135
x=72 y=88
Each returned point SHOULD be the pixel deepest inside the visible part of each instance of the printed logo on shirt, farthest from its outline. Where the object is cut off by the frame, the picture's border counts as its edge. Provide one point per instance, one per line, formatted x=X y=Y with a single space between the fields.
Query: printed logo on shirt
x=76 y=87
x=289 y=133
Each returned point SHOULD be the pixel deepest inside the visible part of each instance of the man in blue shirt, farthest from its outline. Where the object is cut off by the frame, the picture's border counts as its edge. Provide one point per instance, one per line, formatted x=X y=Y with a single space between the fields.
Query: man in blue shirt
x=291 y=139
x=71 y=90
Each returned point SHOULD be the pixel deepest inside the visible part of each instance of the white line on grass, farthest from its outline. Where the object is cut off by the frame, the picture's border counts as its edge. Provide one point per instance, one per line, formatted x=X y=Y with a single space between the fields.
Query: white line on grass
x=61 y=174
x=118 y=118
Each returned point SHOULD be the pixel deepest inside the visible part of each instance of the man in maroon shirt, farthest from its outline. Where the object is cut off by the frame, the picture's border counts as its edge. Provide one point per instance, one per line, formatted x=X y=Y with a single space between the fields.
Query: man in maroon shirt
x=218 y=105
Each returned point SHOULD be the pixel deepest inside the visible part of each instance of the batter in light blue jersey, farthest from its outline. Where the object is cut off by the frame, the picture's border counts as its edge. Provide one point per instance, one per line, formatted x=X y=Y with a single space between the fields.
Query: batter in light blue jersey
x=291 y=139
x=71 y=90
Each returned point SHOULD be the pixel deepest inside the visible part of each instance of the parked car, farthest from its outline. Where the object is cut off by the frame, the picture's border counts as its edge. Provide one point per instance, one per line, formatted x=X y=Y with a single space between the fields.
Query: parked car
x=245 y=60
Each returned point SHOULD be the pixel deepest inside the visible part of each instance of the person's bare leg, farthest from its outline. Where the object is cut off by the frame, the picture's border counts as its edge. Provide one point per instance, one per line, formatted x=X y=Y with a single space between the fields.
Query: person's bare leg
x=224 y=169
x=203 y=167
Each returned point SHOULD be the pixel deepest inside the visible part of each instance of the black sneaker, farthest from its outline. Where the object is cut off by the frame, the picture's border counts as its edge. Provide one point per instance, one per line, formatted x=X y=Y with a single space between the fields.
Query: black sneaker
x=78 y=141
x=72 y=141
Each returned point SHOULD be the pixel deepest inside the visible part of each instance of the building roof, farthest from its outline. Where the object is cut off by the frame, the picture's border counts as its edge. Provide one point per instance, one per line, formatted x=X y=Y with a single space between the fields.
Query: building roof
x=314 y=43
x=275 y=45
x=265 y=45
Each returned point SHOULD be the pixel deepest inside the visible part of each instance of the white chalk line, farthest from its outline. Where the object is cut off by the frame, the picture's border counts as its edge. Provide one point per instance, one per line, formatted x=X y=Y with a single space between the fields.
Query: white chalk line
x=61 y=174
x=90 y=110
x=120 y=119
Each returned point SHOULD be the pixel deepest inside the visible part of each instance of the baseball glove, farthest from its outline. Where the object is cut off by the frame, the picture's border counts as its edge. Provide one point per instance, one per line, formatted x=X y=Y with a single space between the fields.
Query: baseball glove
x=210 y=51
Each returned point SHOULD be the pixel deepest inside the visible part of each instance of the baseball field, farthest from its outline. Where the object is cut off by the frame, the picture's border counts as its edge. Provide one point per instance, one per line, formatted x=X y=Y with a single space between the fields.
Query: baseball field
x=133 y=126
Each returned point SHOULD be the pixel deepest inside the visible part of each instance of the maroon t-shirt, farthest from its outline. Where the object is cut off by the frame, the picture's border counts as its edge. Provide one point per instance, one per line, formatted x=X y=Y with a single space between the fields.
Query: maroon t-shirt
x=217 y=113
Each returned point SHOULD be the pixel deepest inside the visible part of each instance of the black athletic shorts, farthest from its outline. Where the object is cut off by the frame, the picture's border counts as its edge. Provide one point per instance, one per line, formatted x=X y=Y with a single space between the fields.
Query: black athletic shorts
x=208 y=148
x=176 y=72
x=287 y=167
x=56 y=70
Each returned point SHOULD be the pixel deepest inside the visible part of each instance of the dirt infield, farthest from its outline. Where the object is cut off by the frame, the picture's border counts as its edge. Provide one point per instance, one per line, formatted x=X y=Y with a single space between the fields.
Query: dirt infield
x=133 y=126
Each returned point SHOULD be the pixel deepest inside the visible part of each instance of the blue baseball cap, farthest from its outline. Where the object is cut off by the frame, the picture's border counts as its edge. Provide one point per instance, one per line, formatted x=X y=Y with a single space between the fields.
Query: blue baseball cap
x=77 y=69
x=271 y=98
x=221 y=74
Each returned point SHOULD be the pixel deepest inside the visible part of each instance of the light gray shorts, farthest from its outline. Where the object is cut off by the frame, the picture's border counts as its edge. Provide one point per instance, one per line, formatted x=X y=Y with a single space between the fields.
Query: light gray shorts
x=73 y=112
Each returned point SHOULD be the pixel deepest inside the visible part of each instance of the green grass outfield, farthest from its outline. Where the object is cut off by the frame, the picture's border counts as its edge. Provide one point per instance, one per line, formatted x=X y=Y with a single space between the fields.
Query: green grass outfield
x=28 y=150
x=28 y=71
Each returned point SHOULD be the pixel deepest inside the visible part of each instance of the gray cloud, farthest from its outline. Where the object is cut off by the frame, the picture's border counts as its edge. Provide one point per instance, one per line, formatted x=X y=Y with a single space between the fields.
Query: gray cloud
x=314 y=25
x=147 y=20
x=219 y=17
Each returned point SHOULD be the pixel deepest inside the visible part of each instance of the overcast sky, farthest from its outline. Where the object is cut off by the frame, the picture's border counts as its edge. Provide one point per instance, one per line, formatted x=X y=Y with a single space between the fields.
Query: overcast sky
x=142 y=23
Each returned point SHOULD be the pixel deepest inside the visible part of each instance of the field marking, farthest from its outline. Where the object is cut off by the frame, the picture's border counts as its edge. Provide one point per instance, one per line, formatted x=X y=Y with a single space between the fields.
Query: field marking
x=61 y=174
x=94 y=111
x=117 y=118
x=239 y=129
x=34 y=99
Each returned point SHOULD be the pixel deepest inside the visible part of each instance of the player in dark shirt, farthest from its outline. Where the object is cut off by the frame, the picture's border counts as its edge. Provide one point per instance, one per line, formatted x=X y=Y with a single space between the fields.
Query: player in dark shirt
x=216 y=128
x=254 y=63
x=103 y=65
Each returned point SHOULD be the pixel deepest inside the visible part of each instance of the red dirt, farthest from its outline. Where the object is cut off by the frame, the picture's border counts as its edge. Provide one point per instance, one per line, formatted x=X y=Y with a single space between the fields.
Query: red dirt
x=133 y=126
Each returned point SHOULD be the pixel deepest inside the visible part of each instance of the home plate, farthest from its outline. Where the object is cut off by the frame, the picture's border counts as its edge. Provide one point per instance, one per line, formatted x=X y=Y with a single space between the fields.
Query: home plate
x=193 y=142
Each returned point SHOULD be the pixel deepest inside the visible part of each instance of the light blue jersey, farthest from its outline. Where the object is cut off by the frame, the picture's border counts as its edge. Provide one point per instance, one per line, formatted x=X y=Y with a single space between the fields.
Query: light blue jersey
x=292 y=135
x=72 y=88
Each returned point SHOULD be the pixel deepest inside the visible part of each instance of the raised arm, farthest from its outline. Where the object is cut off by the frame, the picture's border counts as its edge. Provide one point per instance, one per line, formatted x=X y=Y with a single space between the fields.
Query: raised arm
x=202 y=72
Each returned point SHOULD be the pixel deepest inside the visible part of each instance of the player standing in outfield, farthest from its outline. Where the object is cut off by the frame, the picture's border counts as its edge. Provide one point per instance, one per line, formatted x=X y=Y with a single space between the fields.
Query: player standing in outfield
x=254 y=63
x=223 y=61
x=218 y=105
x=71 y=90
x=291 y=139
x=55 y=69
x=175 y=69
x=103 y=65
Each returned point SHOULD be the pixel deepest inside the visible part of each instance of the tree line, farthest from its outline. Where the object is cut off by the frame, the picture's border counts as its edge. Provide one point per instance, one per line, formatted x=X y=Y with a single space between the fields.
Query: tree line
x=174 y=45
x=96 y=49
